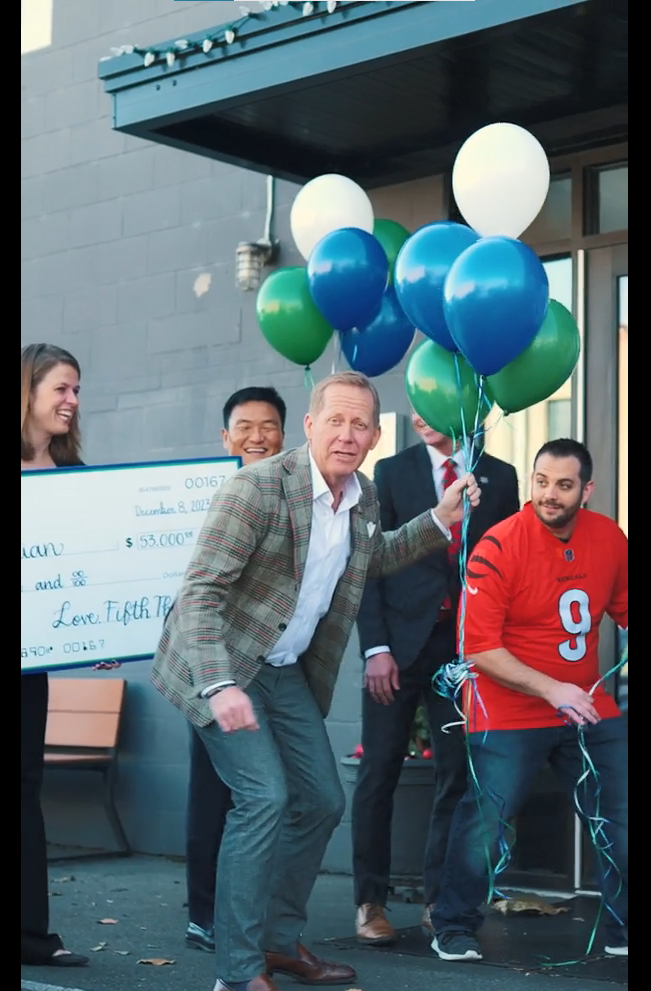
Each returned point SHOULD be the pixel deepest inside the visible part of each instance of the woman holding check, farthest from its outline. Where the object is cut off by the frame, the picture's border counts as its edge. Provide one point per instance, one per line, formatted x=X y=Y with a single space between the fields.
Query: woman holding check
x=49 y=438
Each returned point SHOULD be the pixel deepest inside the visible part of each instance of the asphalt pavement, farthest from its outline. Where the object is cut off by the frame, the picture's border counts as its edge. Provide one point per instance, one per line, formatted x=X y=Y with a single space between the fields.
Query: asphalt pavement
x=128 y=916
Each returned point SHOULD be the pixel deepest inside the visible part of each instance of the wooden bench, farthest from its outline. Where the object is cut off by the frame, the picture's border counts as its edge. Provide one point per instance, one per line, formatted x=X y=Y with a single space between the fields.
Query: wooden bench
x=83 y=725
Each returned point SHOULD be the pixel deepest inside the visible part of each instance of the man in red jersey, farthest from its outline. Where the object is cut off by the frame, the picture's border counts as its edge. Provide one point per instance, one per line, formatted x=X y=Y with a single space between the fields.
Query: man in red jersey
x=538 y=585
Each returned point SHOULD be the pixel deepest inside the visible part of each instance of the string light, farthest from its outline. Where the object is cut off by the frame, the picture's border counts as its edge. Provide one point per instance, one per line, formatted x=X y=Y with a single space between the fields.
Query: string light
x=221 y=39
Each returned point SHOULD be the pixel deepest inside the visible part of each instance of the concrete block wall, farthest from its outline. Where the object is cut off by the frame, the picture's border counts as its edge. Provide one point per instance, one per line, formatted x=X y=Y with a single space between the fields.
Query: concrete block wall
x=128 y=254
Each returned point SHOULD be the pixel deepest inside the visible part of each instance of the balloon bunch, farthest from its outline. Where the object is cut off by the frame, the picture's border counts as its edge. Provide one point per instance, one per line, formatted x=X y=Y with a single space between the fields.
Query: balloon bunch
x=346 y=285
x=480 y=295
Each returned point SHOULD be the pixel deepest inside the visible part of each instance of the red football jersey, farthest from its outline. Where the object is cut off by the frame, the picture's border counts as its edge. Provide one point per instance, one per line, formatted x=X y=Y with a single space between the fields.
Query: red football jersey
x=543 y=600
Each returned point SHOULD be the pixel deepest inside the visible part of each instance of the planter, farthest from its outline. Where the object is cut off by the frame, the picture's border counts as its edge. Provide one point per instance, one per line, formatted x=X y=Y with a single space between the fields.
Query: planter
x=412 y=804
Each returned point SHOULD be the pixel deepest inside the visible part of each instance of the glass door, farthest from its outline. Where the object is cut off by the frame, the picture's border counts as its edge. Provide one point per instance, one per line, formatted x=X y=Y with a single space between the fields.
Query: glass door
x=607 y=439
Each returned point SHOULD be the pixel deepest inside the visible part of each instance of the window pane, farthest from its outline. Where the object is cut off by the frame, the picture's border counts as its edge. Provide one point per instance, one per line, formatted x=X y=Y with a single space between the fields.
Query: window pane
x=559 y=418
x=612 y=190
x=517 y=438
x=560 y=274
x=622 y=457
x=554 y=222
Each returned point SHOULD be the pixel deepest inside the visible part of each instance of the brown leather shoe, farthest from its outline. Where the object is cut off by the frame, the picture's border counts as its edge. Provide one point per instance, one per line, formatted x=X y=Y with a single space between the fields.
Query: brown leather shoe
x=426 y=923
x=372 y=926
x=262 y=983
x=305 y=968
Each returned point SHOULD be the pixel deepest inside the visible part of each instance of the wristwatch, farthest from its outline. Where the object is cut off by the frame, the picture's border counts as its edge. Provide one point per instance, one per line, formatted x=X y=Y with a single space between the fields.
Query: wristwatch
x=208 y=693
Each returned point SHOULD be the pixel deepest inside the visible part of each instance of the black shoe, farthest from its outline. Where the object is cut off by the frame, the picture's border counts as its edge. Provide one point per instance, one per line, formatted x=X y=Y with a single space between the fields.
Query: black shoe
x=200 y=939
x=66 y=959
x=456 y=946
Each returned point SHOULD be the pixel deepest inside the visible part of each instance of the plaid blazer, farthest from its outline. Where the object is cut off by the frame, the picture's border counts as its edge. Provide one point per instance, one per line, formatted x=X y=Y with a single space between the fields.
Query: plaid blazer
x=241 y=586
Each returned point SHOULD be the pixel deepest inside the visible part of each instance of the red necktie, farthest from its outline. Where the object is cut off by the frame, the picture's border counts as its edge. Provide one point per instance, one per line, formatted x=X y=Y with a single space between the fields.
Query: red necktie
x=449 y=477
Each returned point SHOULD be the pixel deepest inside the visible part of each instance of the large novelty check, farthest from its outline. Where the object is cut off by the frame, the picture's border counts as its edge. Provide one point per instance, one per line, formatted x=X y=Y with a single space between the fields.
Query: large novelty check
x=103 y=553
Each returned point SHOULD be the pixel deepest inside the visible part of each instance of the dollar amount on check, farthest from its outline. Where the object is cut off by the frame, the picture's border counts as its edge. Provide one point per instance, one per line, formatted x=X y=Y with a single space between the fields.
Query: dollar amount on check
x=103 y=553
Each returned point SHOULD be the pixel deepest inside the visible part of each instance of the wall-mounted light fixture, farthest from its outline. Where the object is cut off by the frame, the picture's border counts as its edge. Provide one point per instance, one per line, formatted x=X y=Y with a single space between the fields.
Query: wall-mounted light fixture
x=252 y=256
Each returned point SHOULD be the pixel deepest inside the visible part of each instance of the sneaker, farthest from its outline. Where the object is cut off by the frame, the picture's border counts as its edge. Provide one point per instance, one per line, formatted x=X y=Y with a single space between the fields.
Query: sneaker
x=200 y=939
x=617 y=945
x=456 y=946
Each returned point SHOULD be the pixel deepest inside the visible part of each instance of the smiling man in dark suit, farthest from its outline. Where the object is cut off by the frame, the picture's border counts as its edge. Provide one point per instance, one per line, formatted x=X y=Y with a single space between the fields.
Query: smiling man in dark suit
x=407 y=631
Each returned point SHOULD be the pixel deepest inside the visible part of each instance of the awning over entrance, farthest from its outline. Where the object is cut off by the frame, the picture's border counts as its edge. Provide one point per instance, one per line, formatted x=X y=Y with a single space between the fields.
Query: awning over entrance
x=382 y=92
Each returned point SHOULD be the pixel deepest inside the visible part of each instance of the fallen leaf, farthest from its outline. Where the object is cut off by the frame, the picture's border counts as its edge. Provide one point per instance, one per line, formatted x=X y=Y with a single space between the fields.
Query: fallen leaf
x=108 y=922
x=529 y=904
x=158 y=962
x=62 y=880
x=96 y=949
x=123 y=953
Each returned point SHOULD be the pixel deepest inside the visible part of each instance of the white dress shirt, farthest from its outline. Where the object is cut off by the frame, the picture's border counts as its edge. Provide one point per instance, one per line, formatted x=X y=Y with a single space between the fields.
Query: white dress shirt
x=326 y=561
x=439 y=462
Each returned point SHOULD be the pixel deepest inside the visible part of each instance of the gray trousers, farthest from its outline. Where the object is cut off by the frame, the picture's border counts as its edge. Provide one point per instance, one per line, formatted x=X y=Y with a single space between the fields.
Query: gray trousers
x=287 y=801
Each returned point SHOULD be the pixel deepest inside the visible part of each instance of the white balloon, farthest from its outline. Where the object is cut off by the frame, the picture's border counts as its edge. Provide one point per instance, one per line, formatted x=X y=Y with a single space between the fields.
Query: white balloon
x=500 y=180
x=327 y=204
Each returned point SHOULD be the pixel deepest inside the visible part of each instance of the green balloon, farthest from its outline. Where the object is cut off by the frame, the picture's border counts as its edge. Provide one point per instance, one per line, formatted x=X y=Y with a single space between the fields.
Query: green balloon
x=546 y=364
x=433 y=389
x=391 y=236
x=289 y=319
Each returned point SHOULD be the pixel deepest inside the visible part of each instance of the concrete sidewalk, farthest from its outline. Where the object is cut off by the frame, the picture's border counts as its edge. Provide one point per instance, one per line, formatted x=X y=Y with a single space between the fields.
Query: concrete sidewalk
x=144 y=897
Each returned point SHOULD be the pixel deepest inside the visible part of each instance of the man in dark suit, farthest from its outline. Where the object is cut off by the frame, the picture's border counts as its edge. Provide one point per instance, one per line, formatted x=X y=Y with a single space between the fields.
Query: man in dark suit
x=407 y=631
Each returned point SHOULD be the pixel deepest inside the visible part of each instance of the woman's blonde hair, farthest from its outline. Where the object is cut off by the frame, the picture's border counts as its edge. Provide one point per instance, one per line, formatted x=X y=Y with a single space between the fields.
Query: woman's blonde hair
x=36 y=360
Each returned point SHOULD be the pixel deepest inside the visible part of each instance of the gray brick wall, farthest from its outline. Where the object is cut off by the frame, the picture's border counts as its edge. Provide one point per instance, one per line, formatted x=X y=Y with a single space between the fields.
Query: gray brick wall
x=115 y=233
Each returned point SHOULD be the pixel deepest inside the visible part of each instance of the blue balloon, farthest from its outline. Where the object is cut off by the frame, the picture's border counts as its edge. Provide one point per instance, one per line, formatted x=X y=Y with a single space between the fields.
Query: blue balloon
x=348 y=272
x=421 y=269
x=495 y=302
x=381 y=344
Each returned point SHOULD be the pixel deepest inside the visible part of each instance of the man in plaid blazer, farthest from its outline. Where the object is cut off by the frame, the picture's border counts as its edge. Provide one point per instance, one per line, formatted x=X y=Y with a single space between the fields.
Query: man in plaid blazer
x=250 y=653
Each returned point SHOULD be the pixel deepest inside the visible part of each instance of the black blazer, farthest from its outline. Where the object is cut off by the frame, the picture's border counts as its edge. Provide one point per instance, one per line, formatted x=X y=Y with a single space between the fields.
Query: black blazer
x=401 y=610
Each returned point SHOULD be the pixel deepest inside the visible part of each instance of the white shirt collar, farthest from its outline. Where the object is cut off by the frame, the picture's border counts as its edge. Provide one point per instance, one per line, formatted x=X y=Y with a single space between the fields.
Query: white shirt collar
x=320 y=491
x=438 y=460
